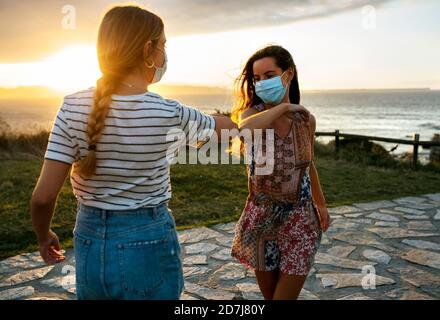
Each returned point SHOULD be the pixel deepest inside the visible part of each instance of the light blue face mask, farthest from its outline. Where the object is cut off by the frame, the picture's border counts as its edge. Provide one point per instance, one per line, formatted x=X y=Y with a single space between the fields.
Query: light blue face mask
x=271 y=91
x=160 y=71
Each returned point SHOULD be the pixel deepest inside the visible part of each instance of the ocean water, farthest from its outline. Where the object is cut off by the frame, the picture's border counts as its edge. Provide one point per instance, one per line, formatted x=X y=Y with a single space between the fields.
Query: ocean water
x=398 y=114
x=392 y=114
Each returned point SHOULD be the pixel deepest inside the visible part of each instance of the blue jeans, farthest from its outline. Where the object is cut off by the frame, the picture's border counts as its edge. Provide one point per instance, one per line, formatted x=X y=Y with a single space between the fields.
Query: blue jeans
x=132 y=254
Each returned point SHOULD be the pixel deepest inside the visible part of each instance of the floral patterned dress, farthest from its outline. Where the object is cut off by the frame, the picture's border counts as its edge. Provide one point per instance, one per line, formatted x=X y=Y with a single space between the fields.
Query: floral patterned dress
x=279 y=228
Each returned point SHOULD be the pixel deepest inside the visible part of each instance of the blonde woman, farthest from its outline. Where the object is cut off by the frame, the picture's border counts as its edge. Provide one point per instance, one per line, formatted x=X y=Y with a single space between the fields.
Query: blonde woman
x=114 y=138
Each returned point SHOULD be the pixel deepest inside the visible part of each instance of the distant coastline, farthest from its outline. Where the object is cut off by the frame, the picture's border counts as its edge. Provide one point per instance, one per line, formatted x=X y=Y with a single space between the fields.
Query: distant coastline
x=40 y=92
x=378 y=90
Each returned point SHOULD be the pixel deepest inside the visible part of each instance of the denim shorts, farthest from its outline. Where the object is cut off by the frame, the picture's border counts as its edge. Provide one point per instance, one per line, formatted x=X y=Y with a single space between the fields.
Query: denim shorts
x=132 y=254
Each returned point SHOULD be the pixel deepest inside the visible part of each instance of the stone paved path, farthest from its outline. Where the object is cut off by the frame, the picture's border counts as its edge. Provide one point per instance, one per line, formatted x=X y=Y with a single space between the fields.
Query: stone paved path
x=398 y=240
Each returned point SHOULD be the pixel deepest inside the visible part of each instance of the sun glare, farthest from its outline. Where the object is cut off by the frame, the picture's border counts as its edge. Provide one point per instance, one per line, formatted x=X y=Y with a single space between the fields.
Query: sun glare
x=72 y=68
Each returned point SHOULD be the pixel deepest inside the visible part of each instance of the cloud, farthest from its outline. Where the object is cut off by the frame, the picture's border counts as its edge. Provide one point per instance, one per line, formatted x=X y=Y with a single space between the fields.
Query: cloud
x=214 y=16
x=32 y=29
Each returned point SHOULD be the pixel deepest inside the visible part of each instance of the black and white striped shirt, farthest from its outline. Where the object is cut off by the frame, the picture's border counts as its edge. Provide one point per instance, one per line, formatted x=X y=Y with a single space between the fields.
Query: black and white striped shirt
x=132 y=165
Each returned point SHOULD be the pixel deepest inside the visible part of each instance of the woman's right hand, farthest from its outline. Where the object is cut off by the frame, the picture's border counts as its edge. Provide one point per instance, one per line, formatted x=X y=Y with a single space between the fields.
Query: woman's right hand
x=50 y=249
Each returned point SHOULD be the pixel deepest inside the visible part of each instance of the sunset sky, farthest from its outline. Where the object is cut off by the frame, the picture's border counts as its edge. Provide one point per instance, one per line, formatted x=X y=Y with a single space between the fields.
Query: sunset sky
x=336 y=44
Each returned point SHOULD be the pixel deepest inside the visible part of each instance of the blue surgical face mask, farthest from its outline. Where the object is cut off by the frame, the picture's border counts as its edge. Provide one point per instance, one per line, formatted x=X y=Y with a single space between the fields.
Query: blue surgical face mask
x=160 y=71
x=271 y=91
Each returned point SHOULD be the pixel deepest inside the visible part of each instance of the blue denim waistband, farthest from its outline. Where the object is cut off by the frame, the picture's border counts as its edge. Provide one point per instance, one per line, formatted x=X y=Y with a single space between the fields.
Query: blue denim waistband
x=139 y=211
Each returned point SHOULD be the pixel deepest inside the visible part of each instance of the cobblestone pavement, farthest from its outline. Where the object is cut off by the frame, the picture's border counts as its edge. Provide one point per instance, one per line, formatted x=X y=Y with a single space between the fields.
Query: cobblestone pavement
x=375 y=250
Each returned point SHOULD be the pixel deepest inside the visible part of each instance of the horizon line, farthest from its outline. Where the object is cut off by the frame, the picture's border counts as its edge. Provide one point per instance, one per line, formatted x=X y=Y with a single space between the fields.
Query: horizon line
x=169 y=86
x=194 y=85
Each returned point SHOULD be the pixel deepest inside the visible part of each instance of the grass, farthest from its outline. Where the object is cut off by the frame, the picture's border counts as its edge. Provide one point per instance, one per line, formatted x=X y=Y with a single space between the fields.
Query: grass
x=203 y=194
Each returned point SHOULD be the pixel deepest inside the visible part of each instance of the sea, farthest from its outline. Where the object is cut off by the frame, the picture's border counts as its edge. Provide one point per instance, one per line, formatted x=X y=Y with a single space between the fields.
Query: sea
x=393 y=114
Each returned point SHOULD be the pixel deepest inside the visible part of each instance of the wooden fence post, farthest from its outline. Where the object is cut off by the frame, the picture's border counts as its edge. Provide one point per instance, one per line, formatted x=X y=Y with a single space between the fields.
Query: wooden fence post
x=416 y=149
x=337 y=141
x=434 y=152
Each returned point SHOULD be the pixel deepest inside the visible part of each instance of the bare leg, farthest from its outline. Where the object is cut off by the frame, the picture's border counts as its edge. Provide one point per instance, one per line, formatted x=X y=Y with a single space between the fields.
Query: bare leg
x=267 y=281
x=288 y=287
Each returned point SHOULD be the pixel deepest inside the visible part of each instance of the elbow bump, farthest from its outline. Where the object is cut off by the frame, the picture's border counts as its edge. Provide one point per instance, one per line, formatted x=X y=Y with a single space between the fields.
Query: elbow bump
x=242 y=126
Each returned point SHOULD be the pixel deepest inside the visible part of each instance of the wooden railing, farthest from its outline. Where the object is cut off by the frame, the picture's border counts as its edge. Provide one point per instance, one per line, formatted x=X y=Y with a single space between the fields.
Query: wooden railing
x=415 y=143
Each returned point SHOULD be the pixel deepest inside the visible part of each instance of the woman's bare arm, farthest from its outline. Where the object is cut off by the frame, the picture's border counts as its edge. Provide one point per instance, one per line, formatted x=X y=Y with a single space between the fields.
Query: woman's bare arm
x=42 y=207
x=317 y=193
x=252 y=119
x=223 y=122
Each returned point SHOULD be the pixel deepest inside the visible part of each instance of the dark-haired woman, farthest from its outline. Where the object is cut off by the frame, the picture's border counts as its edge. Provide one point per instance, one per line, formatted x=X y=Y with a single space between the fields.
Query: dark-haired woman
x=281 y=226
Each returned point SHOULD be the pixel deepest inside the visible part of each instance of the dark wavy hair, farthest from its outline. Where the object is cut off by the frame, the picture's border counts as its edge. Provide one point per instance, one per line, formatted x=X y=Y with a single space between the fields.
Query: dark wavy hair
x=245 y=83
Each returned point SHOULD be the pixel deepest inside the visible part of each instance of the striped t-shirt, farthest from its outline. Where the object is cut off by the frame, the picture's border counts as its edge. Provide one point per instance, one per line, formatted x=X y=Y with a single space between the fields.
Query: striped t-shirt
x=132 y=163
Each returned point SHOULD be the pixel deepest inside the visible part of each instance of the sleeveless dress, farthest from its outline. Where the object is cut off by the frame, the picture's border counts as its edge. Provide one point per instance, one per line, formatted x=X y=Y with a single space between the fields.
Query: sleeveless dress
x=279 y=227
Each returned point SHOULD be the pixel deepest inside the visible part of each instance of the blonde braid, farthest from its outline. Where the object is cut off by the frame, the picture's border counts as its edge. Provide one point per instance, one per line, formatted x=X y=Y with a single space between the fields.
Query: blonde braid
x=105 y=88
x=122 y=36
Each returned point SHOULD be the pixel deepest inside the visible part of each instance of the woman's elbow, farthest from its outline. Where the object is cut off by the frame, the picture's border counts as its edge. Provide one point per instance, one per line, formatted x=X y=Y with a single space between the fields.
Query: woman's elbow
x=244 y=125
x=42 y=199
x=223 y=122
